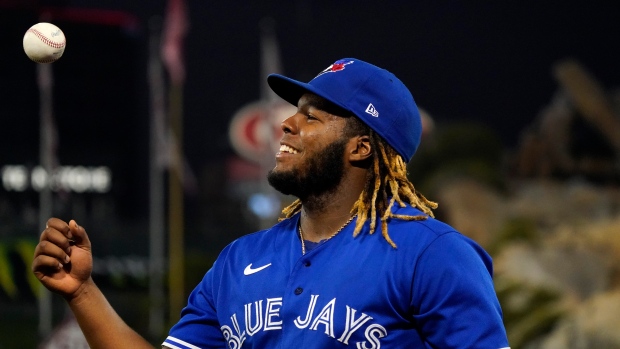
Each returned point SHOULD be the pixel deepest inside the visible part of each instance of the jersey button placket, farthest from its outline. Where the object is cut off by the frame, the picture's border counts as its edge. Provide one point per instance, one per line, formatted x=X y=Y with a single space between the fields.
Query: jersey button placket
x=298 y=291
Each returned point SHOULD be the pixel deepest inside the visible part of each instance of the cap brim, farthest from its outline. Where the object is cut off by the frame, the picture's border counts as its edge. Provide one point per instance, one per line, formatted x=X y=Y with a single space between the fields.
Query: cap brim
x=288 y=89
x=291 y=90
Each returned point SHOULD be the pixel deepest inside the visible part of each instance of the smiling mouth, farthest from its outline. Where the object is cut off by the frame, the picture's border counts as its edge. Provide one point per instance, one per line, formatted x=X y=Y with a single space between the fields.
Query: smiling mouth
x=286 y=149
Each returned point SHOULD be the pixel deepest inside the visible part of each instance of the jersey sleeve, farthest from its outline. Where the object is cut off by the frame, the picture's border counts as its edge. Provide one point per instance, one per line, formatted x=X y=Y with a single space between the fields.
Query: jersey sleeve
x=199 y=327
x=454 y=299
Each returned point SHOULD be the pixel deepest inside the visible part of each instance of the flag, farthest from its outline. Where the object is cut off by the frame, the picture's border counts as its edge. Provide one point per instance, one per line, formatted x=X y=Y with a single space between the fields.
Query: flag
x=176 y=25
x=276 y=110
x=270 y=58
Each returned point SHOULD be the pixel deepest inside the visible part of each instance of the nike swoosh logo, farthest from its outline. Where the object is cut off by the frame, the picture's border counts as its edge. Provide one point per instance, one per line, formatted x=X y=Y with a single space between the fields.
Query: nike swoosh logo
x=249 y=270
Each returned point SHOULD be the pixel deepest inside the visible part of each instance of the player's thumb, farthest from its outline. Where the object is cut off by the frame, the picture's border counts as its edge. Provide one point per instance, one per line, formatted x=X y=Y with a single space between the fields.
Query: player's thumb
x=79 y=235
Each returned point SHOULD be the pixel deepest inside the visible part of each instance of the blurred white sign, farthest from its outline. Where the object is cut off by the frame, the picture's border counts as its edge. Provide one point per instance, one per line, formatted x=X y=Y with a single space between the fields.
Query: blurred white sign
x=79 y=179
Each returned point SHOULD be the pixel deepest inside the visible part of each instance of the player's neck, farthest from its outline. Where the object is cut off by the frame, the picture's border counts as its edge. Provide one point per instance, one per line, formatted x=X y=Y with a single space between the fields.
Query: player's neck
x=323 y=228
x=323 y=215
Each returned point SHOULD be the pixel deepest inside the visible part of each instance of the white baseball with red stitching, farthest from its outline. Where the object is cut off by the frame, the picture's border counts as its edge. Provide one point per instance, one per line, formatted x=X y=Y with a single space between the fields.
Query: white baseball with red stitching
x=44 y=43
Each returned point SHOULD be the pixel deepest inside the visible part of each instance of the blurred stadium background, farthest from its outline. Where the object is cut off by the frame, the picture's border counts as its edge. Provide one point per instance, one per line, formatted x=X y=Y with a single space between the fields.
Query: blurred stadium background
x=521 y=148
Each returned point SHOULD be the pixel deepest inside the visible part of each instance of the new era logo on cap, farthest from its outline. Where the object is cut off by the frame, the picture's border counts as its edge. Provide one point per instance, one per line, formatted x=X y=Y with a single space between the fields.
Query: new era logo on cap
x=372 y=111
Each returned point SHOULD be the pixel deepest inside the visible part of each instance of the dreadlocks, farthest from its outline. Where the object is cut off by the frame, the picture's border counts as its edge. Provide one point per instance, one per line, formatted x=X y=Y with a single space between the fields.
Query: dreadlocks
x=386 y=185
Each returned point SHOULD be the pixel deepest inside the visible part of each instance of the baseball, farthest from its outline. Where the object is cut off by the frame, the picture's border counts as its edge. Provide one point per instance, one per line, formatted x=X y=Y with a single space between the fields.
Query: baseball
x=44 y=43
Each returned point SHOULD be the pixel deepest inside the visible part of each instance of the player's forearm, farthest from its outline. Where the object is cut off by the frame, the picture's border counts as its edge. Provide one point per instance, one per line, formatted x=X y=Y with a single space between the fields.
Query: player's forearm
x=101 y=325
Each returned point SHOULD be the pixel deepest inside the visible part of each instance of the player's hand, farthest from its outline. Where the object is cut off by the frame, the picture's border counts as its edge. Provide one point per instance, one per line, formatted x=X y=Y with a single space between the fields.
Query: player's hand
x=63 y=261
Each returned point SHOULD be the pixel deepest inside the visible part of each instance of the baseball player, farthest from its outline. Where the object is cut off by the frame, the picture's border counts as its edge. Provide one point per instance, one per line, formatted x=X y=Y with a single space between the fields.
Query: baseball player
x=357 y=261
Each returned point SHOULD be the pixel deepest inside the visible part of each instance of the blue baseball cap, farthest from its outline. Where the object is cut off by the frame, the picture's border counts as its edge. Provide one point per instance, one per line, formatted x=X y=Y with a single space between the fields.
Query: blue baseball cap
x=373 y=94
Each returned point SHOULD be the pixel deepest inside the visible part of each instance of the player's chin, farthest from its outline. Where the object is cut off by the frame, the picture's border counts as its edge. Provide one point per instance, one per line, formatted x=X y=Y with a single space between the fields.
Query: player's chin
x=286 y=182
x=286 y=162
x=284 y=171
x=279 y=169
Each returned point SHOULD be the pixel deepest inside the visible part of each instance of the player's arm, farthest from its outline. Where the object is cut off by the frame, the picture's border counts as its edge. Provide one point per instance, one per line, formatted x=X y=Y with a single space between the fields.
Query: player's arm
x=101 y=325
x=63 y=263
x=455 y=298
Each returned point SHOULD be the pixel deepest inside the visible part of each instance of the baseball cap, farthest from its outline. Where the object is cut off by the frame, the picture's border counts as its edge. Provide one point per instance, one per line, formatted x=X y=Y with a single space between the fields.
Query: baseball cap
x=373 y=94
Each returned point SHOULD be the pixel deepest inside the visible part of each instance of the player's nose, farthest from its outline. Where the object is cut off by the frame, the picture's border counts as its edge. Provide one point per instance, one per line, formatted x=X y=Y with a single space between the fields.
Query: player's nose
x=289 y=125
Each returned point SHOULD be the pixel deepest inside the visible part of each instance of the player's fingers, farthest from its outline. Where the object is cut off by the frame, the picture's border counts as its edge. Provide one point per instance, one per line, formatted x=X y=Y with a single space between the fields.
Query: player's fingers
x=49 y=249
x=80 y=237
x=43 y=264
x=57 y=238
x=59 y=225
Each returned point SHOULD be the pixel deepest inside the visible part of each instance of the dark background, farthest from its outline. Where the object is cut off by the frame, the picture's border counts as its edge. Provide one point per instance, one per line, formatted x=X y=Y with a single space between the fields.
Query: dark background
x=478 y=62
x=486 y=62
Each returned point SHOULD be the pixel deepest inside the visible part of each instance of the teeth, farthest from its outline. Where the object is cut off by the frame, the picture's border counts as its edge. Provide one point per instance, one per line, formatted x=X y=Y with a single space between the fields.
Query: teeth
x=287 y=149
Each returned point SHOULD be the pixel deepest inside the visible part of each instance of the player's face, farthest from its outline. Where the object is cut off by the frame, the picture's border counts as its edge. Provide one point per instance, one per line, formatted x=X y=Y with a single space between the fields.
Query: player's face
x=311 y=156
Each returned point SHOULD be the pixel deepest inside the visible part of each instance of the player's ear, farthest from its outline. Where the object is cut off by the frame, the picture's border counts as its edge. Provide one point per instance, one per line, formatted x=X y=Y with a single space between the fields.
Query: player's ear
x=360 y=148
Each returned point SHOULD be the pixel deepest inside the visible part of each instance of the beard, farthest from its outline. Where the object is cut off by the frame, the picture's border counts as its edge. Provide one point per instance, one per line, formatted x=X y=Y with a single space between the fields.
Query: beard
x=324 y=171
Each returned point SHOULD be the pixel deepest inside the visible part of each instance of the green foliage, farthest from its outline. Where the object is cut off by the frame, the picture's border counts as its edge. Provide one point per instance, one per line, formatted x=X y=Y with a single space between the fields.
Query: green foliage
x=6 y=274
x=16 y=278
x=517 y=229
x=25 y=249
x=529 y=311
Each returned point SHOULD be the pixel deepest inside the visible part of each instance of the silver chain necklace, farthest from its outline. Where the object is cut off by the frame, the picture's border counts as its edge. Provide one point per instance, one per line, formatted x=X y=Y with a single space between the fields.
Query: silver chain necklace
x=301 y=234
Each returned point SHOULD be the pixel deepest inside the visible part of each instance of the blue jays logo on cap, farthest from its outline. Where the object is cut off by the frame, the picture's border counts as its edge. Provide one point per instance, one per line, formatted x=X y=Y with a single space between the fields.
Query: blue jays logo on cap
x=374 y=95
x=337 y=66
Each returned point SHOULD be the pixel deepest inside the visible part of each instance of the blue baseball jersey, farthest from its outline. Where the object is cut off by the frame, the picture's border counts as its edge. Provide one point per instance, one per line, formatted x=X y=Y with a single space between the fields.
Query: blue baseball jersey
x=434 y=290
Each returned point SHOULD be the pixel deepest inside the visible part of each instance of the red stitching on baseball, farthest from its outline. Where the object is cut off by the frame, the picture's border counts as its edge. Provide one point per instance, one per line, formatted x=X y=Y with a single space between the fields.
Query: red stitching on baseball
x=46 y=40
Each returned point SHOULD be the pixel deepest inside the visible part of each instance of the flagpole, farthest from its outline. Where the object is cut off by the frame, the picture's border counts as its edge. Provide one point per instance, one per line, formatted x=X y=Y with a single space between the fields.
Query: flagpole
x=156 y=184
x=270 y=63
x=176 y=254
x=46 y=157
x=175 y=28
